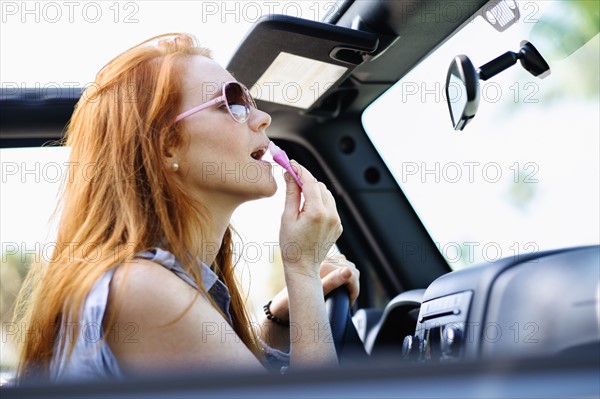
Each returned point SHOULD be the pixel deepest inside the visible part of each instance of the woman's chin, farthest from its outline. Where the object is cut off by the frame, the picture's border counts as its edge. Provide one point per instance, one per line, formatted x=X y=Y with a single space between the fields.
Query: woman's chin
x=262 y=190
x=270 y=188
x=273 y=190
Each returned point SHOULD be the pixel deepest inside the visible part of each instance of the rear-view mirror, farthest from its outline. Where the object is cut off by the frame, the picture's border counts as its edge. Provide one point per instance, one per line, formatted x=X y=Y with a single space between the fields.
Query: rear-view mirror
x=462 y=91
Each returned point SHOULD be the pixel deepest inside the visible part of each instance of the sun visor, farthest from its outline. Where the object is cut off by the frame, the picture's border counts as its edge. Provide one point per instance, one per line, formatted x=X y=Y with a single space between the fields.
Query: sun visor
x=296 y=63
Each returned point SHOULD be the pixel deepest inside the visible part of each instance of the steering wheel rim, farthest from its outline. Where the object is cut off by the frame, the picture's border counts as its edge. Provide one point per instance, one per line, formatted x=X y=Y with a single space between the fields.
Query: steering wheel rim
x=349 y=347
x=337 y=304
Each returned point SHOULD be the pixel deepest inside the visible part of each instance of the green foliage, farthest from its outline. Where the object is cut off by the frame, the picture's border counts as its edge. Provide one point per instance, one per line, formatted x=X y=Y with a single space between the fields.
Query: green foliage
x=13 y=269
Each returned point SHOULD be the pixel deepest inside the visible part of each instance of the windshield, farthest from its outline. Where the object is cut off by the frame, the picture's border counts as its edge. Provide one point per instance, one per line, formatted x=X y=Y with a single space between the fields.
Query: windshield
x=524 y=174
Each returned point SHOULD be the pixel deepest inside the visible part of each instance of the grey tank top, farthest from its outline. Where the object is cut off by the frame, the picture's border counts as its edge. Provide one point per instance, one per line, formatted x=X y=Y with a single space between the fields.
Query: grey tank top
x=92 y=357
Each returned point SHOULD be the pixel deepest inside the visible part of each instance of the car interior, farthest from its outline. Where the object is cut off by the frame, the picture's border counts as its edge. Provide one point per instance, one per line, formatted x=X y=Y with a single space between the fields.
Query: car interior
x=521 y=316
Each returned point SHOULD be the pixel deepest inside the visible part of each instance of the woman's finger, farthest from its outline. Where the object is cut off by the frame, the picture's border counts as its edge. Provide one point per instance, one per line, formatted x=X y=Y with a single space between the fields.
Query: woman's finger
x=342 y=276
x=327 y=195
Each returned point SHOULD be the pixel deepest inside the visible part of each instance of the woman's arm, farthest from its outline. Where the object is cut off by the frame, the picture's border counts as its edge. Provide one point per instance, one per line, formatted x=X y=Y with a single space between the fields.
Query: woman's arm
x=335 y=271
x=308 y=231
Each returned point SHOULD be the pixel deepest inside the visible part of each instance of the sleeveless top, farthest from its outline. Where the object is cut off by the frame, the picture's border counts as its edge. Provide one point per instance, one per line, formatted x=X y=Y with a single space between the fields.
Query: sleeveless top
x=92 y=357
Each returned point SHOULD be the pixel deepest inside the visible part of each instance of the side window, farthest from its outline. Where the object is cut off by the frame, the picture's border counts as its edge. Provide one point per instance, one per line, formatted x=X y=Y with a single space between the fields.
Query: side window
x=259 y=266
x=30 y=181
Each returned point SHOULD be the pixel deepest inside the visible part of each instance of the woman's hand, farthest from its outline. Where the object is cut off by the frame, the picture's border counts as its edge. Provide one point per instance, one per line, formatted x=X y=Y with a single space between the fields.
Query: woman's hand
x=308 y=232
x=335 y=272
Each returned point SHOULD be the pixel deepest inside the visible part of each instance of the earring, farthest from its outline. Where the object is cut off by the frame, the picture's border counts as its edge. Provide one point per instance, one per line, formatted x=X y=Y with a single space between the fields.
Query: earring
x=174 y=167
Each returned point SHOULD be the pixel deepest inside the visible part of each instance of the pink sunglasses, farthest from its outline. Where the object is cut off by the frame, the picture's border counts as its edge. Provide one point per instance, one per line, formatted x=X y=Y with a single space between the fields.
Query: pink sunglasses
x=236 y=97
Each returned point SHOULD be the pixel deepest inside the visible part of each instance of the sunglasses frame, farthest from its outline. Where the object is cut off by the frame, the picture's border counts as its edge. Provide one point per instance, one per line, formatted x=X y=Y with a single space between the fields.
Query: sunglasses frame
x=220 y=99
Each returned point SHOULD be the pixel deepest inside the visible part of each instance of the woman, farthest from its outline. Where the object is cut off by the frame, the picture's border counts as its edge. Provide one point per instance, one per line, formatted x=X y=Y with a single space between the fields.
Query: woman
x=142 y=275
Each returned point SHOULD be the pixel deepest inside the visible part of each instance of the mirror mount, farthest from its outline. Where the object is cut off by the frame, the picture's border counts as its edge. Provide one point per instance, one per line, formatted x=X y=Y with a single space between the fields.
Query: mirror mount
x=530 y=59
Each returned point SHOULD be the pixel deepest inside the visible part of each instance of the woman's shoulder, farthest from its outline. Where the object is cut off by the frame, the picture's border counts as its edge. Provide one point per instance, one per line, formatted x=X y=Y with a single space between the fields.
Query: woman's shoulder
x=143 y=282
x=174 y=324
x=153 y=282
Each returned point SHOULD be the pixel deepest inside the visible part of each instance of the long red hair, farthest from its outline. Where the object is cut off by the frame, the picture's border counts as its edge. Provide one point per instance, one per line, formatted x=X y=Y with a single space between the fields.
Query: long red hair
x=120 y=198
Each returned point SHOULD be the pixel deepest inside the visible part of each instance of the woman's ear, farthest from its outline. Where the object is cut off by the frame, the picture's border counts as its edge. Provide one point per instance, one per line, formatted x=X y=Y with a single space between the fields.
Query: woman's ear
x=172 y=148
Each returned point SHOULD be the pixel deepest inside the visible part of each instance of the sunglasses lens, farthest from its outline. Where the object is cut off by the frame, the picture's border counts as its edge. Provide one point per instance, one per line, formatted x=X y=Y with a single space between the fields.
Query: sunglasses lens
x=238 y=101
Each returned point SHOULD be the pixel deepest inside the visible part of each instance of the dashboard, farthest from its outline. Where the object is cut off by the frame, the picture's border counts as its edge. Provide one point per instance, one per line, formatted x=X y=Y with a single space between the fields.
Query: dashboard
x=543 y=304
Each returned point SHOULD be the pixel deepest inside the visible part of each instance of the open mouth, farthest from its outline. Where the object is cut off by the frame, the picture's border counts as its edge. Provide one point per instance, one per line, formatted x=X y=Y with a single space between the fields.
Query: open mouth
x=258 y=154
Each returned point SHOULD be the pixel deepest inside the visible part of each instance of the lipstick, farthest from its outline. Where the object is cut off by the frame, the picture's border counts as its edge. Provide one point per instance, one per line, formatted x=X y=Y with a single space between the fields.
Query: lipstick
x=282 y=159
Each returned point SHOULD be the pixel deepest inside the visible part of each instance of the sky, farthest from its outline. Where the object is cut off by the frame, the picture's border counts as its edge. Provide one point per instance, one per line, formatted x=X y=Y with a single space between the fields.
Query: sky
x=44 y=42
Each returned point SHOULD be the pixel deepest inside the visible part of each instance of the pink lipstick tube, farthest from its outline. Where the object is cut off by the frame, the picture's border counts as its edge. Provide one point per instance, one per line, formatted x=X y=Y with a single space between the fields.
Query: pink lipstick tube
x=282 y=159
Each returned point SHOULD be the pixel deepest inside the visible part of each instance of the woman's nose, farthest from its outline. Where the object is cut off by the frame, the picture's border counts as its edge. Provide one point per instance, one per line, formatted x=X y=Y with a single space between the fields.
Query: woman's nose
x=259 y=120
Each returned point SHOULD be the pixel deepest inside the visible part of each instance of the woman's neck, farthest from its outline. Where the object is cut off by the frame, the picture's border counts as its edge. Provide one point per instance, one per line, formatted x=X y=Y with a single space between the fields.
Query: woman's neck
x=211 y=243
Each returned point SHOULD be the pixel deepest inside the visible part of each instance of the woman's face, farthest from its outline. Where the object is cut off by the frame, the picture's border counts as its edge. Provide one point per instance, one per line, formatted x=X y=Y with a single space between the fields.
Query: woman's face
x=220 y=165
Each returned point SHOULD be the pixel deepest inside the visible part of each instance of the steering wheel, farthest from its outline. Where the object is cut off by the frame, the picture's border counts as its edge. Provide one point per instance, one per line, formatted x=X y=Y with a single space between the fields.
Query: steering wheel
x=348 y=345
